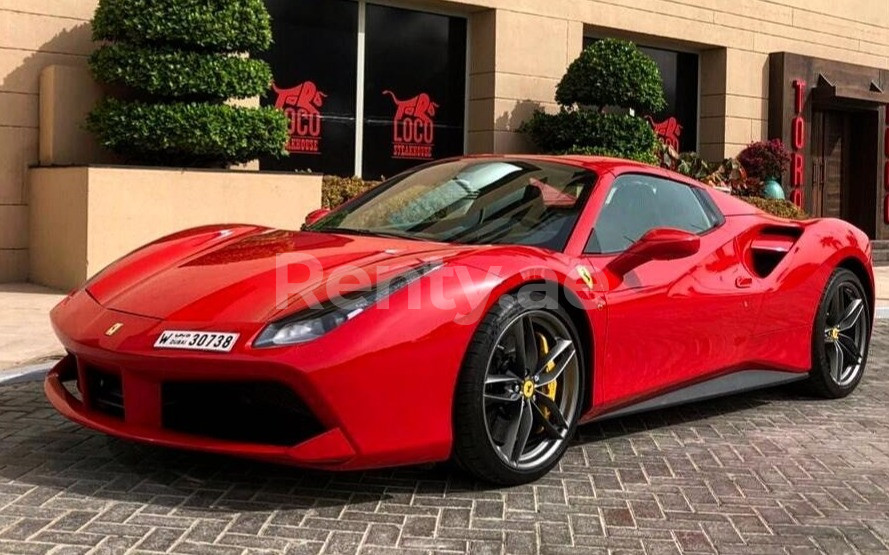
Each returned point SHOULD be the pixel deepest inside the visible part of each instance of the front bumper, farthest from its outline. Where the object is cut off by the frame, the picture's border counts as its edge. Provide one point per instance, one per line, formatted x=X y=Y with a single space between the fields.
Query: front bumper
x=360 y=420
x=141 y=418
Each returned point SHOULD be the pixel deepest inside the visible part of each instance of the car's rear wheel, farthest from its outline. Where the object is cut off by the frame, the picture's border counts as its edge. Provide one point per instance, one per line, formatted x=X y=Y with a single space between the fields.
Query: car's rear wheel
x=841 y=336
x=519 y=393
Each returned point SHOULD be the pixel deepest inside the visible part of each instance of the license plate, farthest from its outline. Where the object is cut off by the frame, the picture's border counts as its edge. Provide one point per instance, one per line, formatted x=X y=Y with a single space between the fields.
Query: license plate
x=196 y=340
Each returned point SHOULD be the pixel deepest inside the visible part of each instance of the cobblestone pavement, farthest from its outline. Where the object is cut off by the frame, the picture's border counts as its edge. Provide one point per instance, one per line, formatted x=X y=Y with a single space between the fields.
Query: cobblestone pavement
x=767 y=472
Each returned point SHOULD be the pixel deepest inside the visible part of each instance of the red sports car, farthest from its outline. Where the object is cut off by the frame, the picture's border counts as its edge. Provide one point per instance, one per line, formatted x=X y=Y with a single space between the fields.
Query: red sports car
x=476 y=309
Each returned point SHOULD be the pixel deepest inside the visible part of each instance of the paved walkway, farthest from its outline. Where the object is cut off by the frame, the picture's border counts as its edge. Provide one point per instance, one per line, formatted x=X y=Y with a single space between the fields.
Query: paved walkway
x=881 y=279
x=767 y=472
x=25 y=332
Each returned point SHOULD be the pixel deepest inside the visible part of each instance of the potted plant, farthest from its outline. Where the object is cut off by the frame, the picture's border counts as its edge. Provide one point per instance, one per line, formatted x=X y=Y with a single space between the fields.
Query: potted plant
x=766 y=161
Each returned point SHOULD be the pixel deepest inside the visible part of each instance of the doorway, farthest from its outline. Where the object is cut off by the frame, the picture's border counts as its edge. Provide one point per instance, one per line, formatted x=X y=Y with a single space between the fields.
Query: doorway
x=844 y=166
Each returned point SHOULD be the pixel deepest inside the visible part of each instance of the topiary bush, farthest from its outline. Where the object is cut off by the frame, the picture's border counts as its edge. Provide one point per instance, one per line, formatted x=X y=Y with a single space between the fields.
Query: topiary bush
x=174 y=64
x=612 y=73
x=171 y=73
x=204 y=25
x=608 y=74
x=591 y=133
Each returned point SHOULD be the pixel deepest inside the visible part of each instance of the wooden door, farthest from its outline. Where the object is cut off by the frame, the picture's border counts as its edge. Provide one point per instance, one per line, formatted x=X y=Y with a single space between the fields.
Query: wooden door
x=831 y=165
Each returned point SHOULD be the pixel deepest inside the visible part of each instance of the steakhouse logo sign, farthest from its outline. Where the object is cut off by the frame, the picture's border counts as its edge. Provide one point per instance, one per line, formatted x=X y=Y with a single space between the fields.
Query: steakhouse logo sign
x=667 y=131
x=413 y=127
x=301 y=104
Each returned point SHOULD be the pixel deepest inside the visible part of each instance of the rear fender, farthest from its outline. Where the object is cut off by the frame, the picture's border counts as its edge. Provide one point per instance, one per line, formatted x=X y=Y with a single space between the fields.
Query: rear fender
x=793 y=290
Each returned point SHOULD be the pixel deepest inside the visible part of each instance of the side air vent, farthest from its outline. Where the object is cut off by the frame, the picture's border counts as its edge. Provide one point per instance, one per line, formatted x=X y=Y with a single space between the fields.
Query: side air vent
x=768 y=248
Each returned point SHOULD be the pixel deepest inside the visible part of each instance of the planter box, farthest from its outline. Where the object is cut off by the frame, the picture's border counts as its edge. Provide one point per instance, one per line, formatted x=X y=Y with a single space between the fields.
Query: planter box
x=85 y=217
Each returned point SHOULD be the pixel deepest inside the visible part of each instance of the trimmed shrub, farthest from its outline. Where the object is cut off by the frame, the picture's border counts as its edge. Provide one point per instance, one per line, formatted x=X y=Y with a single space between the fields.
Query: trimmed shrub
x=587 y=132
x=609 y=73
x=776 y=207
x=176 y=62
x=187 y=134
x=212 y=25
x=612 y=73
x=337 y=190
x=168 y=72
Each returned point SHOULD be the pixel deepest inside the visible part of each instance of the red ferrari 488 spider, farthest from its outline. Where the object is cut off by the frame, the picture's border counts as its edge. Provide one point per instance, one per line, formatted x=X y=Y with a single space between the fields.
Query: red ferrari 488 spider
x=476 y=309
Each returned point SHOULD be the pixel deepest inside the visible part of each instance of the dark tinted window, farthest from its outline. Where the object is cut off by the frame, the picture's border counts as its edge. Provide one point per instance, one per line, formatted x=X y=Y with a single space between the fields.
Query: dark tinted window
x=639 y=203
x=314 y=61
x=414 y=90
x=492 y=201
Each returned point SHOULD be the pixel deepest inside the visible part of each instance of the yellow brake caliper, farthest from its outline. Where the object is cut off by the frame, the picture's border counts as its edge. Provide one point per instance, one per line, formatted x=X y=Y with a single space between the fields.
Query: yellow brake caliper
x=549 y=389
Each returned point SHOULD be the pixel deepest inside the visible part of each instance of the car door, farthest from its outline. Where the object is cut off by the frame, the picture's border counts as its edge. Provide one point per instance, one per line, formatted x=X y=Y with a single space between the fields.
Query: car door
x=669 y=322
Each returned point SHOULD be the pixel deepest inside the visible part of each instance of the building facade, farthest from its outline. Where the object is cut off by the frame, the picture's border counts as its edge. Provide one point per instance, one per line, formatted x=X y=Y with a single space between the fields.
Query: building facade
x=375 y=86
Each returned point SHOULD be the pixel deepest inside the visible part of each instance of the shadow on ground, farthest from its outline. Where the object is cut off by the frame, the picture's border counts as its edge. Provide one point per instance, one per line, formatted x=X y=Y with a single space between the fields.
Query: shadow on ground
x=104 y=467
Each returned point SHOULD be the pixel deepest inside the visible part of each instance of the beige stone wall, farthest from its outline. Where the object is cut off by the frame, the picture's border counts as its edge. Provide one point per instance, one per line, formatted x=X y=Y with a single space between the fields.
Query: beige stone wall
x=33 y=34
x=85 y=217
x=532 y=40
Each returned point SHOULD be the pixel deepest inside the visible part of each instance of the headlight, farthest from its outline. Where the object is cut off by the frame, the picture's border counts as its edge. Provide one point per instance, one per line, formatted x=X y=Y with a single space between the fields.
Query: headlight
x=315 y=322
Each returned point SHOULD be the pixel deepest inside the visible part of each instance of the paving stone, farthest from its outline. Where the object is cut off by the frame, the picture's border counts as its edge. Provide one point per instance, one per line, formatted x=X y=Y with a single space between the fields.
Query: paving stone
x=772 y=471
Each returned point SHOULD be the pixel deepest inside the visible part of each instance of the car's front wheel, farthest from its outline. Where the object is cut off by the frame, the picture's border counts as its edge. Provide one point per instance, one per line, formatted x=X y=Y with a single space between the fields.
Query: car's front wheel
x=519 y=393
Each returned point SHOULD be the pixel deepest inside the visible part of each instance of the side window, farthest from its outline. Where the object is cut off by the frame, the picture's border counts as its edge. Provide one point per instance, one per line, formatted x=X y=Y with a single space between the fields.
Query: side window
x=639 y=203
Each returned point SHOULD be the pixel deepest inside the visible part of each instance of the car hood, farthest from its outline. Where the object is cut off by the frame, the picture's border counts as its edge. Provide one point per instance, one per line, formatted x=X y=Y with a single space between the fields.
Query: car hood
x=255 y=274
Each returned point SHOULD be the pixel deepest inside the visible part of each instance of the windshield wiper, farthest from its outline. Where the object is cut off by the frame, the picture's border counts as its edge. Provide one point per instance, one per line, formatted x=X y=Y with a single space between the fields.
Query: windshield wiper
x=371 y=233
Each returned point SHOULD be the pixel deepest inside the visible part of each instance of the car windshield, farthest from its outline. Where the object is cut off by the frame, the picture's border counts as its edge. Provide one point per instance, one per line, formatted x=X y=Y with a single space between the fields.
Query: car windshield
x=472 y=201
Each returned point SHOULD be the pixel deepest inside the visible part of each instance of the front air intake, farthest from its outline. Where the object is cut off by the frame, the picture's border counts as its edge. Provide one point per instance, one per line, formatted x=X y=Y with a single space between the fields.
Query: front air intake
x=262 y=412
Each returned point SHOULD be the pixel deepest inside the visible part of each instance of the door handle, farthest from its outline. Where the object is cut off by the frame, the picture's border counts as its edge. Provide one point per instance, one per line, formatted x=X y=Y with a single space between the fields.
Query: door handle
x=743 y=282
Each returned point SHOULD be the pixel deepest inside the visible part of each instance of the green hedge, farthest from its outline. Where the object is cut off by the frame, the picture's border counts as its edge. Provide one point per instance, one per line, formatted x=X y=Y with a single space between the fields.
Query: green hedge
x=590 y=132
x=222 y=25
x=188 y=134
x=612 y=73
x=168 y=72
x=778 y=207
x=337 y=190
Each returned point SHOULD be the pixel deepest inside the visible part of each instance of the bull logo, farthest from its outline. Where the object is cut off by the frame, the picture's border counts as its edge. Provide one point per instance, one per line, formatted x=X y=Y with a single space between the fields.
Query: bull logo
x=668 y=131
x=302 y=105
x=413 y=127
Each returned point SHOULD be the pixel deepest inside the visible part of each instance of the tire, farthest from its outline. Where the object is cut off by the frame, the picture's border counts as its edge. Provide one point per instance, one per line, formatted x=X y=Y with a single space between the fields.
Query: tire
x=838 y=330
x=497 y=393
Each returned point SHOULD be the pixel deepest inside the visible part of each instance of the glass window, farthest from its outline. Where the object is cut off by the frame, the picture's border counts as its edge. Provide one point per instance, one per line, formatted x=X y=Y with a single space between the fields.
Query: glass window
x=314 y=61
x=492 y=201
x=639 y=203
x=414 y=89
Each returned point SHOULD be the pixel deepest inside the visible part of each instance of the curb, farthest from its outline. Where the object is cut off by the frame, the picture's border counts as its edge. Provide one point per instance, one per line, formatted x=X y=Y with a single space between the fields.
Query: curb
x=882 y=313
x=25 y=374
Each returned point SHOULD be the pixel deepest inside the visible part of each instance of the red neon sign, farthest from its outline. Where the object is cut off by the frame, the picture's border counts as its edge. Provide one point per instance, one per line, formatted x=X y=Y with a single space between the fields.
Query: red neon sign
x=413 y=127
x=302 y=106
x=798 y=141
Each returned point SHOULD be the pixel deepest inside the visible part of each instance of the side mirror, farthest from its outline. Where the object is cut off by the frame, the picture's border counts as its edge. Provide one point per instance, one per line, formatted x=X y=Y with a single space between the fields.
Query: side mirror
x=316 y=215
x=662 y=243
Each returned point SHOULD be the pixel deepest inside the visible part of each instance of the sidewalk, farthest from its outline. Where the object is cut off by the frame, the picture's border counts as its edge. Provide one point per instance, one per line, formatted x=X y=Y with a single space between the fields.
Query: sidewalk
x=881 y=279
x=26 y=335
x=25 y=332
